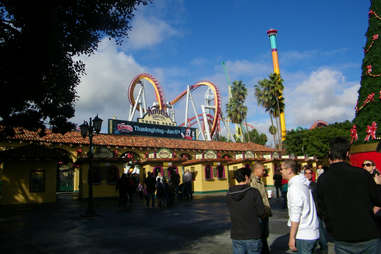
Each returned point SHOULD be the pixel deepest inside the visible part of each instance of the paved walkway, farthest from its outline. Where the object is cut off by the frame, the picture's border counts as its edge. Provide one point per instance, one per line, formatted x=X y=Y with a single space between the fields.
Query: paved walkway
x=198 y=226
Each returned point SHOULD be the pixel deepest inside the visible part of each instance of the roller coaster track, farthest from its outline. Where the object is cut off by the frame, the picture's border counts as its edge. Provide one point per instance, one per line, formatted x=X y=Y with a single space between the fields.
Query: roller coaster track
x=161 y=101
x=156 y=86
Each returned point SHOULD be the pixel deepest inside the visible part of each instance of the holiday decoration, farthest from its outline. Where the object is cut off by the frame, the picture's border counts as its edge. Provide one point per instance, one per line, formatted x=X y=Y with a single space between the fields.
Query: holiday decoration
x=371 y=131
x=374 y=37
x=371 y=12
x=369 y=95
x=369 y=72
x=364 y=134
x=354 y=136
x=369 y=98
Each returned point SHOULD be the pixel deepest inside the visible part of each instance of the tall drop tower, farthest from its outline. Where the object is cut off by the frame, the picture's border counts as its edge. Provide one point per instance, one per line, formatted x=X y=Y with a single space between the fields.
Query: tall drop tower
x=272 y=35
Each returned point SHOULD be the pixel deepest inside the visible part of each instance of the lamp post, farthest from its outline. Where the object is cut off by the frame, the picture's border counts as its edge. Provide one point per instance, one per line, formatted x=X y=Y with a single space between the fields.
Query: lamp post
x=88 y=129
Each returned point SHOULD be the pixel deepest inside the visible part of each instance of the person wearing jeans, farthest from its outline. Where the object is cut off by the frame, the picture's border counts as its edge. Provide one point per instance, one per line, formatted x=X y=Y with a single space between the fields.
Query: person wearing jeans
x=346 y=198
x=323 y=239
x=247 y=246
x=303 y=222
x=246 y=207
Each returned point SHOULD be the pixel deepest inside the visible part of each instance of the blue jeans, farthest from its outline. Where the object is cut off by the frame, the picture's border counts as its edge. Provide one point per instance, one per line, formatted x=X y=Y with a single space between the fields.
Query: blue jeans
x=367 y=247
x=305 y=246
x=264 y=224
x=323 y=240
x=253 y=246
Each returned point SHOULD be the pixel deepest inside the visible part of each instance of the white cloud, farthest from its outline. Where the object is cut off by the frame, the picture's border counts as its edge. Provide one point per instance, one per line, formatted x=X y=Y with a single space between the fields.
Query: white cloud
x=324 y=95
x=104 y=89
x=148 y=31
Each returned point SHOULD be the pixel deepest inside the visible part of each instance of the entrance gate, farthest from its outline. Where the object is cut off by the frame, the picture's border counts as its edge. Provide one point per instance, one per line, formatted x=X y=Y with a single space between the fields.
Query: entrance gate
x=65 y=180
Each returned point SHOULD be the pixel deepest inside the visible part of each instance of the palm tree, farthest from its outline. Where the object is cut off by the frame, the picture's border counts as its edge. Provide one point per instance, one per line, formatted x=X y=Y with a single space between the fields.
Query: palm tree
x=264 y=100
x=236 y=108
x=276 y=89
x=268 y=93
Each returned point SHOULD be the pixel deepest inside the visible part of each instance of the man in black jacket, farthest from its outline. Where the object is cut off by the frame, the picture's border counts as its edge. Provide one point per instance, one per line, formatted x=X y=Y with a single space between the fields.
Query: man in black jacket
x=246 y=206
x=346 y=197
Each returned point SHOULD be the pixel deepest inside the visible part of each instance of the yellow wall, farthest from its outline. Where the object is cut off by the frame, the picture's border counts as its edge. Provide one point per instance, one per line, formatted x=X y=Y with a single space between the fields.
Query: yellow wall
x=15 y=179
x=201 y=185
x=232 y=168
x=267 y=180
x=102 y=189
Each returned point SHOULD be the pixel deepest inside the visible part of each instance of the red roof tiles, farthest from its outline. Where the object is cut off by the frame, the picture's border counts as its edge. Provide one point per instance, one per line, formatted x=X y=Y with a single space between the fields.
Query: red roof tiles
x=75 y=138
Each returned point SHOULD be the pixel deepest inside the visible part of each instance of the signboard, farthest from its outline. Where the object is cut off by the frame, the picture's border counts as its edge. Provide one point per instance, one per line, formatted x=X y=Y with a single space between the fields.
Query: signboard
x=156 y=116
x=121 y=127
x=249 y=155
x=267 y=156
x=210 y=155
x=164 y=154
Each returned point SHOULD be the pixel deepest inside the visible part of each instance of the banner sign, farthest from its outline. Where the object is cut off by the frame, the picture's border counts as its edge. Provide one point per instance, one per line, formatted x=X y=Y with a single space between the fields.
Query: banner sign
x=121 y=127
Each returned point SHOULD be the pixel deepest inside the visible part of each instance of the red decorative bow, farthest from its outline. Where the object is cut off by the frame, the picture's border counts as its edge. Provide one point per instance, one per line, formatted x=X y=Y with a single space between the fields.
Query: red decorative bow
x=354 y=133
x=370 y=98
x=369 y=67
x=371 y=131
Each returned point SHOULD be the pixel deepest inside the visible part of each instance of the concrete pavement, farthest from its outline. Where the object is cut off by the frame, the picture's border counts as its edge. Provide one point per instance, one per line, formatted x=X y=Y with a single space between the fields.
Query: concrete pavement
x=198 y=226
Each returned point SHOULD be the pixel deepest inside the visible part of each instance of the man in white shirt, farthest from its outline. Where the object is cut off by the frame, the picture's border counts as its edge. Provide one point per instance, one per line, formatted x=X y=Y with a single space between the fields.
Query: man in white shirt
x=303 y=220
x=319 y=171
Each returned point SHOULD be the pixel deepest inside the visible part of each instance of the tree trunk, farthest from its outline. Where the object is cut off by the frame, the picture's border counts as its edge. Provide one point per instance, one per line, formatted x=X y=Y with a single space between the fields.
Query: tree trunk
x=280 y=126
x=272 y=124
x=247 y=131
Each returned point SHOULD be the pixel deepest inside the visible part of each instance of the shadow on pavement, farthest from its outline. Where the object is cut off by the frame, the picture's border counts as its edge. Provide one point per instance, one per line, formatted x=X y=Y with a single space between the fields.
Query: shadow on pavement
x=59 y=228
x=280 y=245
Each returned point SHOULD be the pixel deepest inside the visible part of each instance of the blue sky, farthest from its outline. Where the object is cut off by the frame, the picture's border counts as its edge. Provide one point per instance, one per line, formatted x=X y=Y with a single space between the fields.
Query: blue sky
x=320 y=46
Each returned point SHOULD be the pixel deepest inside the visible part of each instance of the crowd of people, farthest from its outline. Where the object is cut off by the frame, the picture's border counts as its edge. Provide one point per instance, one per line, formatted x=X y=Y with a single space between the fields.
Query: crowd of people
x=340 y=202
x=154 y=189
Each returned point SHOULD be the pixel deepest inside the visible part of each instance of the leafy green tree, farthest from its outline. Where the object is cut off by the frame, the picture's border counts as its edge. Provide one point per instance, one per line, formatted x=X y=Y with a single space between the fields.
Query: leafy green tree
x=315 y=142
x=222 y=138
x=257 y=138
x=369 y=94
x=38 y=40
x=273 y=131
x=236 y=108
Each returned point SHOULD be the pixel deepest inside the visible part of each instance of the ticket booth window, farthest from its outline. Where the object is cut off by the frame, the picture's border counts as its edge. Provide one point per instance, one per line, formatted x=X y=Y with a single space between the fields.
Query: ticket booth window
x=221 y=171
x=208 y=172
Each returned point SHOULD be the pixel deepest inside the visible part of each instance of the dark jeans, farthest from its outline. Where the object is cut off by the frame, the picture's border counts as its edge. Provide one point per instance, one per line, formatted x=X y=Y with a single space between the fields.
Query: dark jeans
x=368 y=247
x=278 y=190
x=252 y=246
x=323 y=239
x=150 y=196
x=284 y=195
x=264 y=224
x=188 y=190
x=305 y=246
